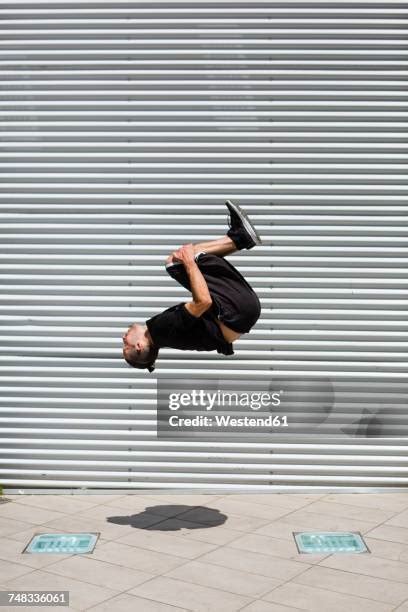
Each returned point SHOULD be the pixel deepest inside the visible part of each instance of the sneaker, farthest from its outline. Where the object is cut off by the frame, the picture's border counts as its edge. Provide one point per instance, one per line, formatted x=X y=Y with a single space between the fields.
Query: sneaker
x=241 y=231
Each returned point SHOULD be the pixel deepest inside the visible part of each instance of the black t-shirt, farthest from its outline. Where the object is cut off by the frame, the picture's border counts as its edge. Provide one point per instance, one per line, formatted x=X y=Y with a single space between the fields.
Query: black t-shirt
x=177 y=328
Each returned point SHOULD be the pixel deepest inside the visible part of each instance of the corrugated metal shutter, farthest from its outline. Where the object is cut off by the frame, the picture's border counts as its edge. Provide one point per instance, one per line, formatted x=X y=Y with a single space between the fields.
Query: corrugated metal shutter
x=124 y=127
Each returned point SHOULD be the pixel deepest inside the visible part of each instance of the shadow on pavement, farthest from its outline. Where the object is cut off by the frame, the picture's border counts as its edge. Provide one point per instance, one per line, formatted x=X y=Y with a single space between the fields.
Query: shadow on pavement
x=172 y=518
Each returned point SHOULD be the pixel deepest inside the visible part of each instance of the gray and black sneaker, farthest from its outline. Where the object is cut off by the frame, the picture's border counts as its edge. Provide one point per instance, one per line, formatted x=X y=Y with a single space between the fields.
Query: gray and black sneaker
x=241 y=231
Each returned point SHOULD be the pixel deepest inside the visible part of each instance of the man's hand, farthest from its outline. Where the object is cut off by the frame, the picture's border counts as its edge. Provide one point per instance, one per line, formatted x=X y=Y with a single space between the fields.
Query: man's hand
x=184 y=254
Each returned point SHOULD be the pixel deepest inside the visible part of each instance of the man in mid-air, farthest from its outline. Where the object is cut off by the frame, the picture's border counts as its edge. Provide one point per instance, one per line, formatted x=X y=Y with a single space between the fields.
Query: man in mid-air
x=224 y=306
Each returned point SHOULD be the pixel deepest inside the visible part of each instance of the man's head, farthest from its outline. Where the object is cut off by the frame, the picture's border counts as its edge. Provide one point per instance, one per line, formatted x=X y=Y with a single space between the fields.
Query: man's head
x=138 y=348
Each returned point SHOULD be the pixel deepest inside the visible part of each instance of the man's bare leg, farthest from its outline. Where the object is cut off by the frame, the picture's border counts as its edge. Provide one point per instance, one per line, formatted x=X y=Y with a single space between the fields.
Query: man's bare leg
x=219 y=246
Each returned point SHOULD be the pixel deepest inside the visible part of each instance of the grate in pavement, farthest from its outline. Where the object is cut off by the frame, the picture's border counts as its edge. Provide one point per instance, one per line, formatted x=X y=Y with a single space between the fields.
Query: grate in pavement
x=62 y=543
x=317 y=542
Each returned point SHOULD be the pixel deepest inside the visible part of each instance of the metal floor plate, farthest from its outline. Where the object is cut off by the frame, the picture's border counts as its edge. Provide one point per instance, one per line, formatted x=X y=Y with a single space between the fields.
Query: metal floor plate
x=318 y=542
x=62 y=543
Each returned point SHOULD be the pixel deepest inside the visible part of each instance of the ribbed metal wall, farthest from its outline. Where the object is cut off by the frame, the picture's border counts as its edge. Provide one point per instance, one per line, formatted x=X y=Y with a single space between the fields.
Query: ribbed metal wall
x=124 y=127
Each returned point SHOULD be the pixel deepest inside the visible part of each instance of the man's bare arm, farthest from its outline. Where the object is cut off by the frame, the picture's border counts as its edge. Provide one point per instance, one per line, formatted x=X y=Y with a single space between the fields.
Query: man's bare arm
x=201 y=296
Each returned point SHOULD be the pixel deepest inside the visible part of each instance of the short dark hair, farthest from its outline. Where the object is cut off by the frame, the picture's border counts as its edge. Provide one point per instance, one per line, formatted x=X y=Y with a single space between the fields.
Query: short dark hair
x=144 y=359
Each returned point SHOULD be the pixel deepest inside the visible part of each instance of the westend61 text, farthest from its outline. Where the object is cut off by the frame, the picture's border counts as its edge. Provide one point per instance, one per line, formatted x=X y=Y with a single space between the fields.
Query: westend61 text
x=228 y=421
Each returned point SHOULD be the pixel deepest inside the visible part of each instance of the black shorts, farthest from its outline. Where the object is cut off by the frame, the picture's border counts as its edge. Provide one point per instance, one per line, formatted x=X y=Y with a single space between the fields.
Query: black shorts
x=235 y=303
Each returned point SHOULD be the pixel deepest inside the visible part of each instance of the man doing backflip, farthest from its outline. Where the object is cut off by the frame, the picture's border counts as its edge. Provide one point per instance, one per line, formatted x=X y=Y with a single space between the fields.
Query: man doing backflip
x=224 y=305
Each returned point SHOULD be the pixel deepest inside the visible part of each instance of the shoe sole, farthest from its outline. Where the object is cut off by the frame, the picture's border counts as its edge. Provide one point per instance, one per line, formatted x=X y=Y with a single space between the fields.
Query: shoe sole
x=246 y=222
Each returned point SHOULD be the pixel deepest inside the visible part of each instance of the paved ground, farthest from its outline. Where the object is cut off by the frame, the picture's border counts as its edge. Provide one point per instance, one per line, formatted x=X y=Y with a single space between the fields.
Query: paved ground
x=169 y=553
